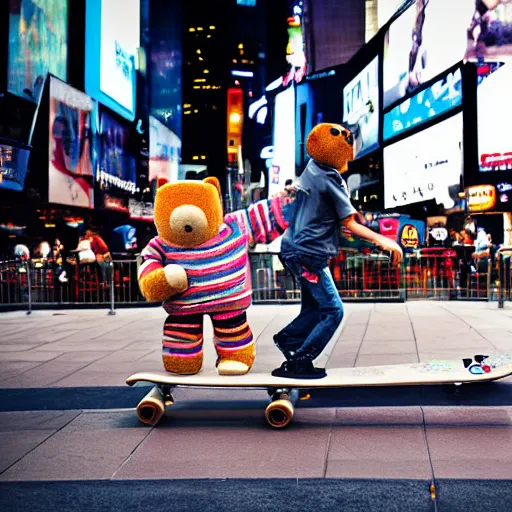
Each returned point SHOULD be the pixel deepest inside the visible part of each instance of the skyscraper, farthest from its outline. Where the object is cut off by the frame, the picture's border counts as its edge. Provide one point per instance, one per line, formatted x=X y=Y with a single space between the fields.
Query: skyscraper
x=231 y=49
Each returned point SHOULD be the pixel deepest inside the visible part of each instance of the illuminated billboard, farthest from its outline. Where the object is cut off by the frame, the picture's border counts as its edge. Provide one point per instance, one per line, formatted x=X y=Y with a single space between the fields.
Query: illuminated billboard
x=116 y=166
x=38 y=45
x=490 y=31
x=494 y=101
x=164 y=153
x=426 y=105
x=283 y=161
x=70 y=179
x=425 y=40
x=425 y=166
x=112 y=42
x=13 y=167
x=361 y=108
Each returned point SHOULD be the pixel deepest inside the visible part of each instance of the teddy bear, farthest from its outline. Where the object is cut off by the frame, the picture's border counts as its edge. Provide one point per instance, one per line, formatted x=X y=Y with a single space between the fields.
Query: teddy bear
x=198 y=265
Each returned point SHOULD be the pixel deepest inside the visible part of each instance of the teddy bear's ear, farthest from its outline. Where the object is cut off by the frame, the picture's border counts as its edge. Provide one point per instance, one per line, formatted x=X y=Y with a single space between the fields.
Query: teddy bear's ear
x=212 y=180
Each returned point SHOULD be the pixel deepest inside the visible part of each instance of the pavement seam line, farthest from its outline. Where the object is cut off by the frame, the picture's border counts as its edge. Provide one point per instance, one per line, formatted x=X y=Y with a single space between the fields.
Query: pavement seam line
x=131 y=453
x=413 y=332
x=43 y=441
x=433 y=477
x=362 y=339
x=470 y=326
x=328 y=447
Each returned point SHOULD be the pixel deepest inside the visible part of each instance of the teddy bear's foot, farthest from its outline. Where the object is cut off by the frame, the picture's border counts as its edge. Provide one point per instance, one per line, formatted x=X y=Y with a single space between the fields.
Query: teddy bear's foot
x=183 y=365
x=230 y=367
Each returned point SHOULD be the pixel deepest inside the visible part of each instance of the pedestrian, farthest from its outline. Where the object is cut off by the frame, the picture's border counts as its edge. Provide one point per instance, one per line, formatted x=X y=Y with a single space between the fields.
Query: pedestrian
x=101 y=252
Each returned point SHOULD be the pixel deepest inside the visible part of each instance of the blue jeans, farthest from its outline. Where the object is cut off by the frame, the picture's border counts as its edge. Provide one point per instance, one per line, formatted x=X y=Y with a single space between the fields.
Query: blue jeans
x=320 y=315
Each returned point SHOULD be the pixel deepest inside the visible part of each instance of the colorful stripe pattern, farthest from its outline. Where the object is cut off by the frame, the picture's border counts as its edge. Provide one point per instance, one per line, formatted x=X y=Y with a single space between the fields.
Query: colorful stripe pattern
x=182 y=350
x=218 y=270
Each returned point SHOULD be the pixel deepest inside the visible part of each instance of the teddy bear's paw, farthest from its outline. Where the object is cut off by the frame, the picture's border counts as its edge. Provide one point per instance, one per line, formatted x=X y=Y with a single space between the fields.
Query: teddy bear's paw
x=176 y=277
x=230 y=367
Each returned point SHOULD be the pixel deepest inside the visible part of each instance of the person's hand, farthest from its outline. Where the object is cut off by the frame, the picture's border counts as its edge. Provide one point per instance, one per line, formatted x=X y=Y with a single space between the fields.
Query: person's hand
x=388 y=245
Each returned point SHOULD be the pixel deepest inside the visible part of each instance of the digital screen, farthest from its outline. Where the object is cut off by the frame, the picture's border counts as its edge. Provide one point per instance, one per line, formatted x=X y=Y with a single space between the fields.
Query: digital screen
x=112 y=42
x=425 y=166
x=16 y=118
x=116 y=165
x=489 y=33
x=283 y=162
x=164 y=69
x=13 y=167
x=494 y=103
x=428 y=38
x=164 y=152
x=70 y=180
x=38 y=45
x=425 y=105
x=361 y=108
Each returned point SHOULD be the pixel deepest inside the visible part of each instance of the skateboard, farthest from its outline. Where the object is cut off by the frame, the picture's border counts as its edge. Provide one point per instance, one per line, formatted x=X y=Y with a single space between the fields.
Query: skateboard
x=284 y=393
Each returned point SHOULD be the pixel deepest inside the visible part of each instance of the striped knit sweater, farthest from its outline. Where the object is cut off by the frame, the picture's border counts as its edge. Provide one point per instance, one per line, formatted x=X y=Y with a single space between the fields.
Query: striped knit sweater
x=218 y=270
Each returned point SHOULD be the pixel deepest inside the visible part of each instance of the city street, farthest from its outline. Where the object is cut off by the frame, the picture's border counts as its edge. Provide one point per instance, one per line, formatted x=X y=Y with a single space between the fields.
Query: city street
x=70 y=436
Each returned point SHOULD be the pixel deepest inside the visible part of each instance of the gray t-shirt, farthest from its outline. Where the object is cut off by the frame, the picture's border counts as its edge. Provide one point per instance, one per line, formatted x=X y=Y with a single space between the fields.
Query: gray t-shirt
x=321 y=202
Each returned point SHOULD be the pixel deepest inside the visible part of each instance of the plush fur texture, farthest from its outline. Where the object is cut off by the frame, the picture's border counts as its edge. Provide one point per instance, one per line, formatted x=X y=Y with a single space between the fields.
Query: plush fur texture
x=198 y=265
x=327 y=144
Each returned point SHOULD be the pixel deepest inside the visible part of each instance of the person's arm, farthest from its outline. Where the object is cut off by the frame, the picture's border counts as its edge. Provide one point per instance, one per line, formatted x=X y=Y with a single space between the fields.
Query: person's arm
x=265 y=220
x=383 y=242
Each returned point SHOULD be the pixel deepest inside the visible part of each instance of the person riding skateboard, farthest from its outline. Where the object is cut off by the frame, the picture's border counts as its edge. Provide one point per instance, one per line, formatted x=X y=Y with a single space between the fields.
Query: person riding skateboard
x=322 y=204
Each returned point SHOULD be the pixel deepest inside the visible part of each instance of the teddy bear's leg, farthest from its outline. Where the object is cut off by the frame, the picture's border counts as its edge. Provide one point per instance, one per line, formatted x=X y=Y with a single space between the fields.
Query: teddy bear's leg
x=182 y=344
x=234 y=343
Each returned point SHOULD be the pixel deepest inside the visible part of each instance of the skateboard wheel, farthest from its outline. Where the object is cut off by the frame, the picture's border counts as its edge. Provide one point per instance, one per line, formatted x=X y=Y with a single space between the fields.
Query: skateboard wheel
x=279 y=413
x=151 y=408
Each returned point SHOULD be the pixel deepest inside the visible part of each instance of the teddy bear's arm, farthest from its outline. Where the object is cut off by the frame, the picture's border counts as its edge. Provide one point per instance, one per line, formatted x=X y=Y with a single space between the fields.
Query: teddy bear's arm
x=265 y=220
x=156 y=281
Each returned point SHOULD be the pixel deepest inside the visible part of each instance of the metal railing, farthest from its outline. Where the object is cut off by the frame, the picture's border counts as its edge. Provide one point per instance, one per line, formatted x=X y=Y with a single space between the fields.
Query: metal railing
x=428 y=274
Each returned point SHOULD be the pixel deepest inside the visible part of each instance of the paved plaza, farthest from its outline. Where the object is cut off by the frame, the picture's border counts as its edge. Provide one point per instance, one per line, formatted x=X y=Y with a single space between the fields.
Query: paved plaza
x=221 y=434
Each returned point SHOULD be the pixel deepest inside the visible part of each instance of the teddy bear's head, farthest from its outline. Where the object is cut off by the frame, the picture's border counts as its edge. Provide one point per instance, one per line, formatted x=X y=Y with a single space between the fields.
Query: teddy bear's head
x=188 y=213
x=332 y=145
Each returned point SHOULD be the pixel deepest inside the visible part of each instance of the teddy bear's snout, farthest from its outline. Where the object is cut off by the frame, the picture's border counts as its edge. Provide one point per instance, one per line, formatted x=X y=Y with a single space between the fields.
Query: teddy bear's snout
x=189 y=224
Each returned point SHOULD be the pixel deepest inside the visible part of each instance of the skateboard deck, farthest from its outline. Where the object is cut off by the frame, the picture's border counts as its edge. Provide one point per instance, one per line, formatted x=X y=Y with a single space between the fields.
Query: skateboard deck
x=284 y=392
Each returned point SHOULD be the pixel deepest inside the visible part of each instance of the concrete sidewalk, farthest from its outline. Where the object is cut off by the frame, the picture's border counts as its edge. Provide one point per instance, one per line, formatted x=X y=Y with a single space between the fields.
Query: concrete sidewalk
x=90 y=348
x=228 y=440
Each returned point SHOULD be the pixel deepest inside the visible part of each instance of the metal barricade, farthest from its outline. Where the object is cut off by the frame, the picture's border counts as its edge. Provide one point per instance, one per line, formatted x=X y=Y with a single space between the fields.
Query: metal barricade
x=504 y=266
x=431 y=274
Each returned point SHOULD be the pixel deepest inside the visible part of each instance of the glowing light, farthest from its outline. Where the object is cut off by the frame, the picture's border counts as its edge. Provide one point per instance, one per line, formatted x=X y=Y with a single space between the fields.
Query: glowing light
x=234 y=118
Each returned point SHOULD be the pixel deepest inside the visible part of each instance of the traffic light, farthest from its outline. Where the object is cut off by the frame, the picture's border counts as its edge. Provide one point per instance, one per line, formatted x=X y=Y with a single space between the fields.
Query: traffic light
x=235 y=122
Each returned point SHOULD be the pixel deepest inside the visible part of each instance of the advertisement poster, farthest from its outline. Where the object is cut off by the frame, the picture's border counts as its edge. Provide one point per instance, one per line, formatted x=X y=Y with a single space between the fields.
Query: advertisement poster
x=490 y=31
x=494 y=100
x=428 y=38
x=425 y=166
x=70 y=180
x=361 y=108
x=13 y=167
x=164 y=152
x=428 y=104
x=284 y=140
x=38 y=35
x=112 y=42
x=116 y=167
